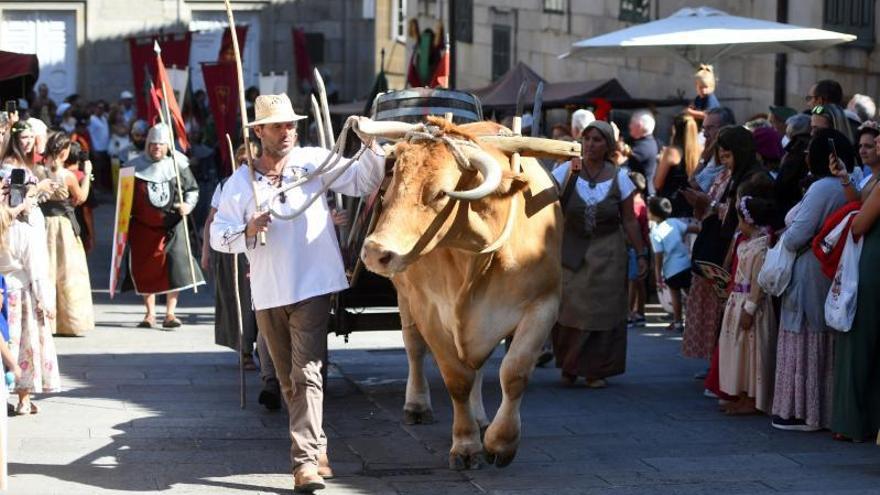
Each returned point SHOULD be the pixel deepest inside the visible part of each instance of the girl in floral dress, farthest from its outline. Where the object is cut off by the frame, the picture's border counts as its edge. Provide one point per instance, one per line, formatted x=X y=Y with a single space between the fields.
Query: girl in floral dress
x=748 y=331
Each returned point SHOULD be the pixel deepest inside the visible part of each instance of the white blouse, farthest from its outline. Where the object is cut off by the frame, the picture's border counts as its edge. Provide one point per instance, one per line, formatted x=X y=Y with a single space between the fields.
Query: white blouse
x=595 y=195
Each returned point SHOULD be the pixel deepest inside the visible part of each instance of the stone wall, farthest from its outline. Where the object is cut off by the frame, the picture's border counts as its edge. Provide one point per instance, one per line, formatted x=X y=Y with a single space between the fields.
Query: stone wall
x=103 y=56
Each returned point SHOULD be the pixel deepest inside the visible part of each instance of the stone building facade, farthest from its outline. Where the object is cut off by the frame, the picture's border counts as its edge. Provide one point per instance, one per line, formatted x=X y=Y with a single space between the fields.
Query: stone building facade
x=82 y=43
x=495 y=35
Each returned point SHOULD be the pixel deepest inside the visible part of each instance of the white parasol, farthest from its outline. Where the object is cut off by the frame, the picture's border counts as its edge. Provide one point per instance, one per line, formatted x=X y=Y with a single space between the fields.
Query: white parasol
x=703 y=34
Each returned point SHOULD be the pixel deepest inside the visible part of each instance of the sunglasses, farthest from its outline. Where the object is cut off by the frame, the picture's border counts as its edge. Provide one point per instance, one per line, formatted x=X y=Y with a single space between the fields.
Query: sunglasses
x=809 y=98
x=818 y=110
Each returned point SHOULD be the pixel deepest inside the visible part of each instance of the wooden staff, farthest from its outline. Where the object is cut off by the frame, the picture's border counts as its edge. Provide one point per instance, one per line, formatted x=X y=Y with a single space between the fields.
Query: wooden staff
x=169 y=125
x=241 y=381
x=242 y=107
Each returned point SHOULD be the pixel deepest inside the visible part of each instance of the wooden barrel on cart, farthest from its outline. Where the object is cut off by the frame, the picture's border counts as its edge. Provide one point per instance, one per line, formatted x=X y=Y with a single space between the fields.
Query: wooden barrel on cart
x=371 y=302
x=416 y=104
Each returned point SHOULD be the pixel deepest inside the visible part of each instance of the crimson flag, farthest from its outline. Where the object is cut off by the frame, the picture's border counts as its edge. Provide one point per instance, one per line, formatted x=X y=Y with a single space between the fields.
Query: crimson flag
x=161 y=87
x=221 y=84
x=227 y=52
x=175 y=48
x=441 y=71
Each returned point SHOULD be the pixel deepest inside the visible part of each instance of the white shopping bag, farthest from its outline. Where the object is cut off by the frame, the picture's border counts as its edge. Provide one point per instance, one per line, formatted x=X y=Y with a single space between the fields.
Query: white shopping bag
x=775 y=274
x=840 y=305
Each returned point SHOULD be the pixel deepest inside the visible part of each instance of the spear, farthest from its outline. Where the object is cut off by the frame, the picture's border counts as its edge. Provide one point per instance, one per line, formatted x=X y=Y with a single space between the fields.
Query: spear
x=166 y=111
x=242 y=105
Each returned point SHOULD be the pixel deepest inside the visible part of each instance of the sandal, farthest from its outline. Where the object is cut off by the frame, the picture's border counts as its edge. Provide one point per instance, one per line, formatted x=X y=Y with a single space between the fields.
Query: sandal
x=147 y=322
x=568 y=380
x=248 y=362
x=675 y=326
x=172 y=323
x=25 y=408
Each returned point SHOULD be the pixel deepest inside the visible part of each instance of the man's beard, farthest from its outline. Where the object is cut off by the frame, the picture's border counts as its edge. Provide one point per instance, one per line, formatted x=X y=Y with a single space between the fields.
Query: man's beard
x=139 y=145
x=276 y=153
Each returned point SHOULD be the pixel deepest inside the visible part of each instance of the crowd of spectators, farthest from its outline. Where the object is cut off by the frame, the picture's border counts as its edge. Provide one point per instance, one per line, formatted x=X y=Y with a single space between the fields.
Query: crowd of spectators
x=784 y=193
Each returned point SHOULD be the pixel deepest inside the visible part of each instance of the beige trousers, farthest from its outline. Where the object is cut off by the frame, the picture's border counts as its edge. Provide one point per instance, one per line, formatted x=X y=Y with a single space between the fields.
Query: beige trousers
x=296 y=335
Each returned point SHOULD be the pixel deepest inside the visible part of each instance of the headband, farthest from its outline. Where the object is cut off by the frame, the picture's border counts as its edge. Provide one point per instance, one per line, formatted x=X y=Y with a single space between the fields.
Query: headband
x=21 y=126
x=743 y=209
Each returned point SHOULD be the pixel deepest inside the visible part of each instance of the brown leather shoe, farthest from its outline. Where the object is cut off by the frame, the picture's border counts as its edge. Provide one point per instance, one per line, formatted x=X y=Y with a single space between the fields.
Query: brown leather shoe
x=324 y=469
x=306 y=479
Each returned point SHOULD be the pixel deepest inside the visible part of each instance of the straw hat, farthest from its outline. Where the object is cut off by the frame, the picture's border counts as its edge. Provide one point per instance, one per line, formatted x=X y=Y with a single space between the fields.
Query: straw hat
x=274 y=109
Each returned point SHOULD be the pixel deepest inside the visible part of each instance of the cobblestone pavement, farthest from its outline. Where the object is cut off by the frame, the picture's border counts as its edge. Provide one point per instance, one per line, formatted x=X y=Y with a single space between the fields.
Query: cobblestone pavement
x=145 y=411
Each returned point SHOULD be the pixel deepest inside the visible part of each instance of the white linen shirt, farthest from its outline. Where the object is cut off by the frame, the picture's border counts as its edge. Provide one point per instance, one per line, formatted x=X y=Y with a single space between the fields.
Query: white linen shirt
x=301 y=257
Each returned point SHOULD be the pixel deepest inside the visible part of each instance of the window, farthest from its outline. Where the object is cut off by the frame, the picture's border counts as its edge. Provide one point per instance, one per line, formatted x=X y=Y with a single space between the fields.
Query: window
x=853 y=17
x=369 y=9
x=635 y=11
x=315 y=47
x=500 y=50
x=464 y=21
x=398 y=20
x=555 y=6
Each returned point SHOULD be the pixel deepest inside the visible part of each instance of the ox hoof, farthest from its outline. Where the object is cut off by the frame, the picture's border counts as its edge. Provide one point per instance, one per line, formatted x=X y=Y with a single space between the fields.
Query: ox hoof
x=463 y=462
x=417 y=415
x=500 y=459
x=500 y=445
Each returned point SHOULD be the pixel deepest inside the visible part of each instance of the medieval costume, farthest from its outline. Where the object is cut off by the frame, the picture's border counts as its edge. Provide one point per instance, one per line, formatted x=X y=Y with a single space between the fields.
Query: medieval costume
x=67 y=262
x=590 y=337
x=291 y=293
x=158 y=261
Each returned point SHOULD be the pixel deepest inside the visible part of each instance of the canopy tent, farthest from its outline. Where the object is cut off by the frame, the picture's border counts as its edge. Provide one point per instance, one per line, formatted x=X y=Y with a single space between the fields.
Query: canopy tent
x=18 y=74
x=703 y=35
x=501 y=95
x=504 y=91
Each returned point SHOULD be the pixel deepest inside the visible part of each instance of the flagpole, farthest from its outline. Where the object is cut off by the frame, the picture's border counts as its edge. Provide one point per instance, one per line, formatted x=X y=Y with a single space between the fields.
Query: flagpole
x=173 y=149
x=243 y=104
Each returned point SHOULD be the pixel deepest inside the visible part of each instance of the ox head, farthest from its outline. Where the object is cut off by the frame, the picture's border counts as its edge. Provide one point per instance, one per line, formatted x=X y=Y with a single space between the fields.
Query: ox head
x=439 y=194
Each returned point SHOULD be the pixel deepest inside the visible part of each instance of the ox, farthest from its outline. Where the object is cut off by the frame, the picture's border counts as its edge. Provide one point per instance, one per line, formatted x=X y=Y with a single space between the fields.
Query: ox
x=448 y=201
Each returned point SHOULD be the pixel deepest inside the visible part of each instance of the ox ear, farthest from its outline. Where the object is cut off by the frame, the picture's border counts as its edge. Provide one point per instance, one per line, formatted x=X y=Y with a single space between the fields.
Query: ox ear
x=511 y=184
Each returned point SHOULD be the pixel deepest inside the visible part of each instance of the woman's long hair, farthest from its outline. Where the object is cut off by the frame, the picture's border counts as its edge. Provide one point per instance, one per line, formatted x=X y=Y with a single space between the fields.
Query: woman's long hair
x=739 y=141
x=15 y=151
x=685 y=137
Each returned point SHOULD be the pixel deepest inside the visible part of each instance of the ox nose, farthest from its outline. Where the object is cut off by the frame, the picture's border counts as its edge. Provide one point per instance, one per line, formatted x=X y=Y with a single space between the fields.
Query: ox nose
x=376 y=257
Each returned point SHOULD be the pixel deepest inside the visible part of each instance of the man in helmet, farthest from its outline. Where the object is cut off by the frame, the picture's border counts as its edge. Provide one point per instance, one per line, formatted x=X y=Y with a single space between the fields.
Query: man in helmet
x=158 y=261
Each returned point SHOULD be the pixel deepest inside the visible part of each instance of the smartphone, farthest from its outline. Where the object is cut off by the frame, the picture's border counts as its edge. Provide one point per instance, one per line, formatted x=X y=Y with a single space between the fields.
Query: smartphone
x=17 y=188
x=17 y=176
x=11 y=106
x=833 y=147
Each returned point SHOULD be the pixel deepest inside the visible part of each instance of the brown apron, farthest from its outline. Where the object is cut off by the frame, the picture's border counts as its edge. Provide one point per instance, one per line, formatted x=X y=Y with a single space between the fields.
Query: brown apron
x=594 y=260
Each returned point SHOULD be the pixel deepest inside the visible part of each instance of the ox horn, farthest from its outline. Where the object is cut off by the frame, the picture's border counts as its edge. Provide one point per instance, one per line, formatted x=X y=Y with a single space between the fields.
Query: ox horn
x=487 y=166
x=384 y=129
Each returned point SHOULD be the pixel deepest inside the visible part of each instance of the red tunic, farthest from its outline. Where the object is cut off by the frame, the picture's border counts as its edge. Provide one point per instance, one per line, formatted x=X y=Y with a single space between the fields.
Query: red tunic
x=148 y=237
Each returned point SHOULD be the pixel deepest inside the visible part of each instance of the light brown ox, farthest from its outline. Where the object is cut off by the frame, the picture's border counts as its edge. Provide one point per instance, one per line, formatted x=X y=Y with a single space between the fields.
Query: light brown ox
x=459 y=302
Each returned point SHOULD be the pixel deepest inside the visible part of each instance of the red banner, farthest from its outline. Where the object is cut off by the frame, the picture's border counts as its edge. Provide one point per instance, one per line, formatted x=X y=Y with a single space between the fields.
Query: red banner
x=175 y=52
x=161 y=89
x=227 y=54
x=221 y=84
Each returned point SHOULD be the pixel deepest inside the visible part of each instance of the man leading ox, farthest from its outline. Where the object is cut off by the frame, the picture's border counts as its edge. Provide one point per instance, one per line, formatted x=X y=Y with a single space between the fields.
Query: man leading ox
x=298 y=268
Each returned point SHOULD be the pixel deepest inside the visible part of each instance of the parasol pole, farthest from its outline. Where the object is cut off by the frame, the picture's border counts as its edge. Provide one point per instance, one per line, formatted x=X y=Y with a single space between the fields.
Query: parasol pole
x=242 y=108
x=169 y=125
x=238 y=317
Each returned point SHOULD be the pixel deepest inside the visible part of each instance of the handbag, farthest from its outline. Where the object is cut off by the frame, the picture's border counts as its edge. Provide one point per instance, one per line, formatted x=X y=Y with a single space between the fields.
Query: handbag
x=829 y=242
x=775 y=274
x=840 y=304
